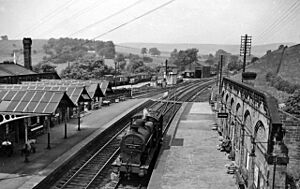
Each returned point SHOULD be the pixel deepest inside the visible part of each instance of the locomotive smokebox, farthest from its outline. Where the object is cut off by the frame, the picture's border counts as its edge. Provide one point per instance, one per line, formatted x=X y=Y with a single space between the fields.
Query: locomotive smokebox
x=27 y=42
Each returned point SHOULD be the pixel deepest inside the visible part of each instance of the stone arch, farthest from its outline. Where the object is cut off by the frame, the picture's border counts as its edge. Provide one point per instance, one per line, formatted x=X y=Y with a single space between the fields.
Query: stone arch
x=260 y=132
x=247 y=120
x=238 y=110
x=232 y=104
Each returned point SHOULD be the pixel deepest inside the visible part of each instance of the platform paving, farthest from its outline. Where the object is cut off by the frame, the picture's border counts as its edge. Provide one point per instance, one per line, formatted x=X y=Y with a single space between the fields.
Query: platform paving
x=15 y=173
x=192 y=159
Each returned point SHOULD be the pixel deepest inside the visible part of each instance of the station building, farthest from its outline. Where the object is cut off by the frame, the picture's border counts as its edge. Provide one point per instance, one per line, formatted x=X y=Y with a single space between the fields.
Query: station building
x=27 y=113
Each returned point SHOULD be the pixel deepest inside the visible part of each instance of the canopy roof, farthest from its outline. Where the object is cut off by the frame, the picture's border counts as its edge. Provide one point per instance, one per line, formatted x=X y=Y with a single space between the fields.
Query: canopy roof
x=32 y=101
x=74 y=92
x=95 y=88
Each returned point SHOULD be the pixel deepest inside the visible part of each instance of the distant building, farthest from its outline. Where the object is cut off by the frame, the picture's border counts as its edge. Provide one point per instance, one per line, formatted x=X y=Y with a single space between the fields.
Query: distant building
x=11 y=73
x=197 y=70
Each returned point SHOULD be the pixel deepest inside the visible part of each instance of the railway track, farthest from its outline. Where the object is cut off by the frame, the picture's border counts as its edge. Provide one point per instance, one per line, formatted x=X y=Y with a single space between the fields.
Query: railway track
x=93 y=170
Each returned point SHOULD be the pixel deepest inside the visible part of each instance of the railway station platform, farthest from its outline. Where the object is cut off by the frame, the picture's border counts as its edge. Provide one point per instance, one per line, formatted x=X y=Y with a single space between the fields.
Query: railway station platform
x=15 y=173
x=189 y=157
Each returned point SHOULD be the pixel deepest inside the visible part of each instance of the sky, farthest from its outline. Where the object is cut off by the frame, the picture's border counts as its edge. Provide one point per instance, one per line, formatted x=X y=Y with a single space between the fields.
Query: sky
x=175 y=21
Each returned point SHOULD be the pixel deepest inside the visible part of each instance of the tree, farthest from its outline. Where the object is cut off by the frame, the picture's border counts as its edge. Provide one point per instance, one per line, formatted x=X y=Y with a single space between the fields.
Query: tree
x=154 y=51
x=186 y=57
x=293 y=104
x=120 y=57
x=88 y=68
x=4 y=37
x=144 y=51
x=44 y=68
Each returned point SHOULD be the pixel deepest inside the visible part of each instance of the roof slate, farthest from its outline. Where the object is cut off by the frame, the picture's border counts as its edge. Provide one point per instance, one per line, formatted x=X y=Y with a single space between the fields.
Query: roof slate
x=8 y=69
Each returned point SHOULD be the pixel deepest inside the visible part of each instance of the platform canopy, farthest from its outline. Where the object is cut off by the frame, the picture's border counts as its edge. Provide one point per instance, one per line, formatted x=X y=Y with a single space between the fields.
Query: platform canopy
x=95 y=88
x=32 y=101
x=76 y=93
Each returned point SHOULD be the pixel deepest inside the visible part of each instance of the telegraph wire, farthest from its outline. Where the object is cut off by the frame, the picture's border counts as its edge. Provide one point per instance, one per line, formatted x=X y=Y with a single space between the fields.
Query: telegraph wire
x=124 y=24
x=286 y=12
x=45 y=18
x=77 y=14
x=290 y=21
x=279 y=20
x=134 y=19
x=108 y=17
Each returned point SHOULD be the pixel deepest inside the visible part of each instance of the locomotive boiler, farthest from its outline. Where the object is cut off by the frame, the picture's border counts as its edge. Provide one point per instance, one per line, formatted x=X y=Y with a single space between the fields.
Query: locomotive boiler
x=139 y=144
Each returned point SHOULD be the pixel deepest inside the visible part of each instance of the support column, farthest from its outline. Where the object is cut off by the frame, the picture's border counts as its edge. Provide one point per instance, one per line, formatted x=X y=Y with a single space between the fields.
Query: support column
x=49 y=124
x=65 y=120
x=78 y=115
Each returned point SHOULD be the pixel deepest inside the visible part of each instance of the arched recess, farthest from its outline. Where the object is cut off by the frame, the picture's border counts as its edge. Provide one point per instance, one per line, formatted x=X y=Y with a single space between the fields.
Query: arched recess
x=232 y=105
x=223 y=93
x=247 y=120
x=226 y=98
x=260 y=134
x=238 y=111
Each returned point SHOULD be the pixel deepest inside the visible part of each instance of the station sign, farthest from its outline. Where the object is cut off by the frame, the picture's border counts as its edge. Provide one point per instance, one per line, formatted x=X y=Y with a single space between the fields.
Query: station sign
x=222 y=115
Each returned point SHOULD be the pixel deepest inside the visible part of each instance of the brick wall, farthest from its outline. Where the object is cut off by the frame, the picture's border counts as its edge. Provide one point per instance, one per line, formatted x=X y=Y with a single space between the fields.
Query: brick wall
x=291 y=125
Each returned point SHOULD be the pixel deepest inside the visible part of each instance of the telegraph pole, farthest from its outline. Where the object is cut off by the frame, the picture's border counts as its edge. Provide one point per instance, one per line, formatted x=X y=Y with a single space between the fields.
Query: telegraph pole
x=166 y=64
x=245 y=49
x=220 y=71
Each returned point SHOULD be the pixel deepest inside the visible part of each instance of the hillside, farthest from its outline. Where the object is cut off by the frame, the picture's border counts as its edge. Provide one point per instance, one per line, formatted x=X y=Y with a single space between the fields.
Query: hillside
x=258 y=50
x=283 y=62
x=7 y=48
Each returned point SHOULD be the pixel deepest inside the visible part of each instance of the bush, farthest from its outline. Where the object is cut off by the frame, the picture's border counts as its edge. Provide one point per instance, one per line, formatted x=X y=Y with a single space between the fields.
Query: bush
x=281 y=84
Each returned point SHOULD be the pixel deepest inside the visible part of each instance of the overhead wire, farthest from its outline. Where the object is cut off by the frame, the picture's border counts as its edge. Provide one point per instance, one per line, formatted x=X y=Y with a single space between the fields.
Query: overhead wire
x=108 y=17
x=134 y=19
x=122 y=25
x=47 y=18
x=77 y=14
x=278 y=21
x=288 y=22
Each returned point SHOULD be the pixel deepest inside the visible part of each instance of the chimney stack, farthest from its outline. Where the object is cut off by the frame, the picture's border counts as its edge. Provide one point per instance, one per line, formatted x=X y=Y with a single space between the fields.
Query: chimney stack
x=27 y=53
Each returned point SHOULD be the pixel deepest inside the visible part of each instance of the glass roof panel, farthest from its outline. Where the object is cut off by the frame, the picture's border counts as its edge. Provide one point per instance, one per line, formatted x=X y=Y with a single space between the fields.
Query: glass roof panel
x=19 y=95
x=41 y=106
x=2 y=93
x=57 y=97
x=47 y=97
x=12 y=106
x=31 y=106
x=38 y=95
x=21 y=106
x=9 y=95
x=50 y=108
x=4 y=105
x=28 y=96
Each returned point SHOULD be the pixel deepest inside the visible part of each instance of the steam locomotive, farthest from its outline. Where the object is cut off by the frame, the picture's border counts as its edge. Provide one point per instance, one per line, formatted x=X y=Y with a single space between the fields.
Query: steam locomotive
x=139 y=144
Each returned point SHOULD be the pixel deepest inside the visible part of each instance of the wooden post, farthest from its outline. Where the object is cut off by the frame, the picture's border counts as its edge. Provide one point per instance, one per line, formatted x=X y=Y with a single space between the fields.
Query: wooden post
x=49 y=122
x=65 y=120
x=78 y=116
